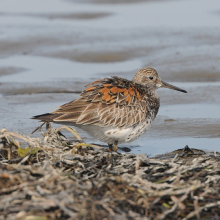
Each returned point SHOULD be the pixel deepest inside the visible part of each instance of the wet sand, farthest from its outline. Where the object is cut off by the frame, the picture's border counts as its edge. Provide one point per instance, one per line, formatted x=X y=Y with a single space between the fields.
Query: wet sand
x=44 y=54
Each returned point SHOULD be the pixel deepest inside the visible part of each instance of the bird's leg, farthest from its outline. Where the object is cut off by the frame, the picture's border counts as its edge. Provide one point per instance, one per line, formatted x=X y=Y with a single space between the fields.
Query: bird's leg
x=110 y=147
x=116 y=146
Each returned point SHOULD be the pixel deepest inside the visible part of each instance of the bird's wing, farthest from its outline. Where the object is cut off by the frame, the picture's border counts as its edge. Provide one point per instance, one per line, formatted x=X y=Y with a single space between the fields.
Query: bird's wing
x=108 y=102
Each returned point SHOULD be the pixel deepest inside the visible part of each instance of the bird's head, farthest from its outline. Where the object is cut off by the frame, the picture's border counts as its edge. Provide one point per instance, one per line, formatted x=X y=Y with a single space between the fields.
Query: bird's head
x=149 y=77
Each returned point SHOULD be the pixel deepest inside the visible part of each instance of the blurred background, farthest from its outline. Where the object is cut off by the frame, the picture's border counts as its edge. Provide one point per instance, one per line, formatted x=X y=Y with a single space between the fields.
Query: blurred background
x=49 y=48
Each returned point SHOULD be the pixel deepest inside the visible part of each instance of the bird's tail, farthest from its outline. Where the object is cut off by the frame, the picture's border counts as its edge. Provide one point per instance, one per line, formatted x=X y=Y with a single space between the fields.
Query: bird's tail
x=48 y=117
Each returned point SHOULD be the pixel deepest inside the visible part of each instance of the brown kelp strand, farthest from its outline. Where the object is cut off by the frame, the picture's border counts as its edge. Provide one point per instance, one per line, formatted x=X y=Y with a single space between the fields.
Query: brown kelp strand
x=51 y=177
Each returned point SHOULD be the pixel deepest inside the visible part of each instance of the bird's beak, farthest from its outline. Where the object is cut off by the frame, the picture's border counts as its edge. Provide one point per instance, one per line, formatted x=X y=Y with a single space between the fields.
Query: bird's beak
x=169 y=86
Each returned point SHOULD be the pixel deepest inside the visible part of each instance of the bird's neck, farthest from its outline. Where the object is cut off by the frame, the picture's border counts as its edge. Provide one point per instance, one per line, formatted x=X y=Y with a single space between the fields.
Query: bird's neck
x=148 y=90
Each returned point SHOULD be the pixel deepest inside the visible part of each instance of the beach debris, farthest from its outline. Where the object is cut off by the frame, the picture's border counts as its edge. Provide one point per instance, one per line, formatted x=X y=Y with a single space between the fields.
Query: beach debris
x=51 y=177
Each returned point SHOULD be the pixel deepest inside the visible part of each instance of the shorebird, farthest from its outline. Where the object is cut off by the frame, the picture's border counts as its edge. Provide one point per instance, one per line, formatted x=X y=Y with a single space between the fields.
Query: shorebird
x=114 y=110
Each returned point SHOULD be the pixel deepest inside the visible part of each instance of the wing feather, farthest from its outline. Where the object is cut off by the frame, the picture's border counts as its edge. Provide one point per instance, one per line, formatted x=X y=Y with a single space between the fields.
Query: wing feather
x=109 y=102
x=69 y=117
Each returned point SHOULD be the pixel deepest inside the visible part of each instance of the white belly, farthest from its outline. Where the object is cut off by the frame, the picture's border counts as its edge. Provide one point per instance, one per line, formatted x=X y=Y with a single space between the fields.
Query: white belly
x=111 y=134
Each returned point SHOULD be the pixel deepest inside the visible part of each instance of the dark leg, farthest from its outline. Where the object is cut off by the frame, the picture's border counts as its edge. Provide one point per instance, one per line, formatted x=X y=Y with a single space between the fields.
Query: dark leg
x=110 y=147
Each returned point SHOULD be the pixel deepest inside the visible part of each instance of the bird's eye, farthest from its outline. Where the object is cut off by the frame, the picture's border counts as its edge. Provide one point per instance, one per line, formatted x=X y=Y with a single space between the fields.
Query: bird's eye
x=151 y=77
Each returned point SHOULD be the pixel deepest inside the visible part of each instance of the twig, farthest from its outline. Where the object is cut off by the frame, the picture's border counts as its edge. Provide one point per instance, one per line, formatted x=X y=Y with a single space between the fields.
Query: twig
x=71 y=130
x=210 y=205
x=174 y=206
x=38 y=128
x=66 y=210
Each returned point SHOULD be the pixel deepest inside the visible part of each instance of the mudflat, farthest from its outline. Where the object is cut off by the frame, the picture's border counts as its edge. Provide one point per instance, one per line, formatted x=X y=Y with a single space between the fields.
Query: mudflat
x=48 y=56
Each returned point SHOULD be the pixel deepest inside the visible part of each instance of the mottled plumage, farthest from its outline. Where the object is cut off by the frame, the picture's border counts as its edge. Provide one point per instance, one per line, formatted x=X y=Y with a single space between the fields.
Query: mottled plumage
x=114 y=110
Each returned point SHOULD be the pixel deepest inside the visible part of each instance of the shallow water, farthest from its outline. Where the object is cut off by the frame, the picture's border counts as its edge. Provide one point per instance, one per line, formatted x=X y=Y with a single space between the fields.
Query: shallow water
x=43 y=69
x=191 y=111
x=46 y=52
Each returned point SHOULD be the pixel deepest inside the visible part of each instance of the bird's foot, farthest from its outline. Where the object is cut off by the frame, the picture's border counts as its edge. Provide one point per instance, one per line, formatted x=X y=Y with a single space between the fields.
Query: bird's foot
x=110 y=147
x=115 y=147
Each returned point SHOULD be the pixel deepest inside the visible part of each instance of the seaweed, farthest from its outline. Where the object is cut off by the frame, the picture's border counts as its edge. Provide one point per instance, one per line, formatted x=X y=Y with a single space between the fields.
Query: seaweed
x=51 y=177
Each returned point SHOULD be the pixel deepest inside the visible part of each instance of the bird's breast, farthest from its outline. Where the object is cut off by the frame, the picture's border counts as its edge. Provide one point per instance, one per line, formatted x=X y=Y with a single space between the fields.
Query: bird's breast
x=154 y=105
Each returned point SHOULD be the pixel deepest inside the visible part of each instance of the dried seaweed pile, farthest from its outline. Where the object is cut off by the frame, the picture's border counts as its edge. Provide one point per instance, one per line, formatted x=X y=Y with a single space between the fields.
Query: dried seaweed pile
x=53 y=178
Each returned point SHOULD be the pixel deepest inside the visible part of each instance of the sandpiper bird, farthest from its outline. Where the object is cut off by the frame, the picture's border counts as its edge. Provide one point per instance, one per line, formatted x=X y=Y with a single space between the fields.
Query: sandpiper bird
x=114 y=110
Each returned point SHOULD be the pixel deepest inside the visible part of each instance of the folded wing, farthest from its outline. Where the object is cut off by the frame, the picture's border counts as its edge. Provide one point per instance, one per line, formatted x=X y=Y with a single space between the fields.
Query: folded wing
x=108 y=102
